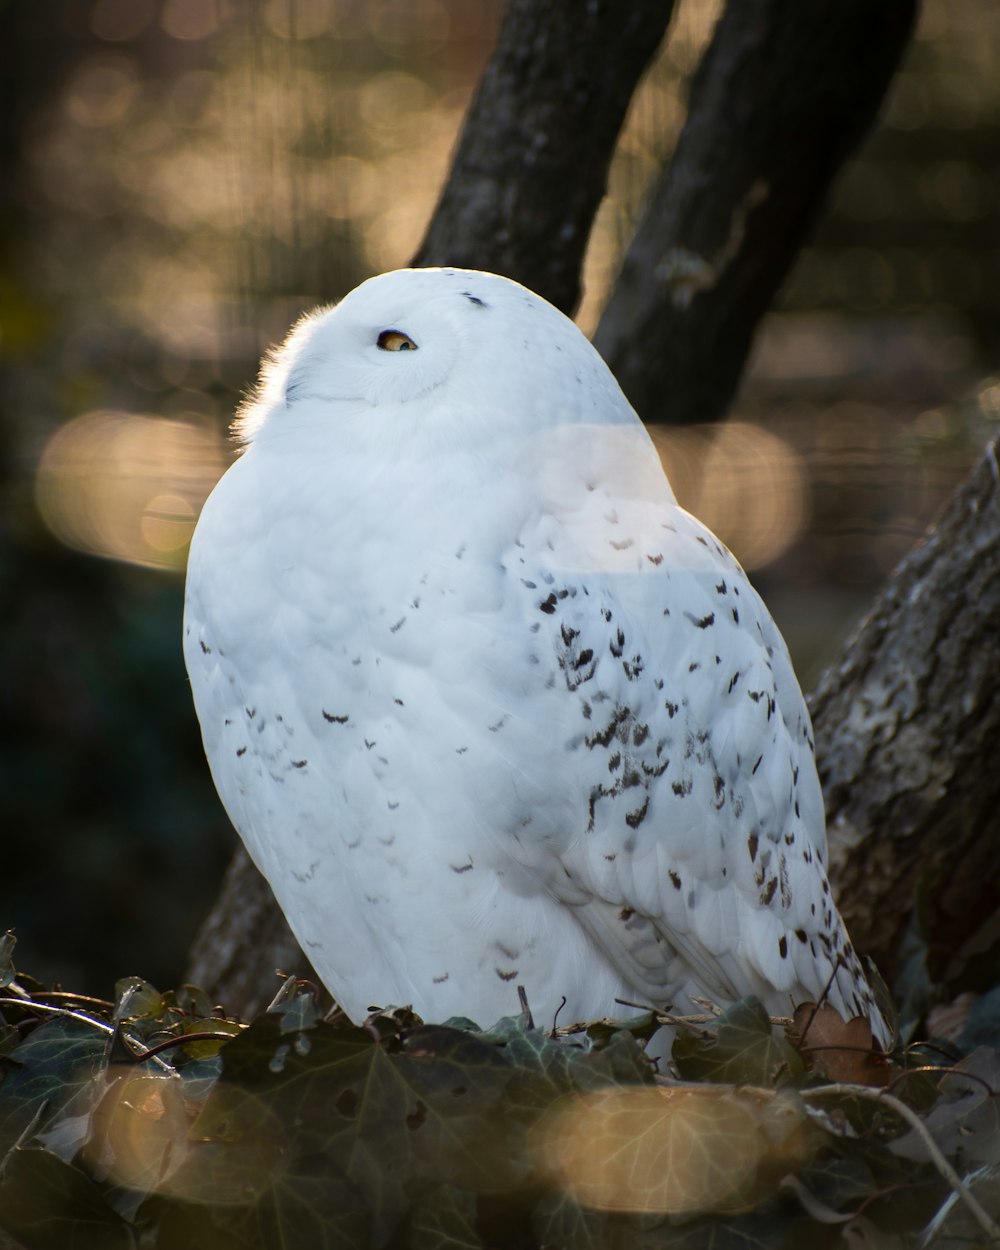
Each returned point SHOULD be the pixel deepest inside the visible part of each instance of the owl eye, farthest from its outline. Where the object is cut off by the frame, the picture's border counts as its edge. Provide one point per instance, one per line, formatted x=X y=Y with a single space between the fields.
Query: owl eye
x=396 y=341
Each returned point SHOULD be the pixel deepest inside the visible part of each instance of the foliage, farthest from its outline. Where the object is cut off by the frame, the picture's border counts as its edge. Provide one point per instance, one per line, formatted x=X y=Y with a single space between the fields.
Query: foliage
x=155 y=1121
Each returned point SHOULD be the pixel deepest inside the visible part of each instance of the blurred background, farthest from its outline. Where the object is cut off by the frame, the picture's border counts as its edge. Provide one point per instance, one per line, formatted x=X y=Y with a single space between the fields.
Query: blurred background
x=179 y=179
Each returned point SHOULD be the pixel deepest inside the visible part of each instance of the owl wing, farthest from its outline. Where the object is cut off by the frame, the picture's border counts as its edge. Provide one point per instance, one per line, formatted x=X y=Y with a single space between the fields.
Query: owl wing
x=694 y=858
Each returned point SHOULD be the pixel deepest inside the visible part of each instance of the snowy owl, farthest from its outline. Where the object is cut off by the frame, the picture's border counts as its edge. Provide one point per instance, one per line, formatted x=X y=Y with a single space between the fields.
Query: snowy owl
x=488 y=708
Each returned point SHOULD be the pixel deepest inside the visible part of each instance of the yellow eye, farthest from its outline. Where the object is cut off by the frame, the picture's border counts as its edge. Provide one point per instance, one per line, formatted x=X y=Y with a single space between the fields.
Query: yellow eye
x=396 y=341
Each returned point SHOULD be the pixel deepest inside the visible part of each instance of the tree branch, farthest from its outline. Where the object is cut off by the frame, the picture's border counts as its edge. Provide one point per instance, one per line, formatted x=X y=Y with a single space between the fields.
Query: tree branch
x=784 y=92
x=244 y=941
x=531 y=166
x=907 y=727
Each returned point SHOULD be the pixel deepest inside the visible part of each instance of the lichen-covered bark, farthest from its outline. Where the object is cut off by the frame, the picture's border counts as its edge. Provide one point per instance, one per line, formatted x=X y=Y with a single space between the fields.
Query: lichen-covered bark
x=531 y=166
x=908 y=739
x=783 y=94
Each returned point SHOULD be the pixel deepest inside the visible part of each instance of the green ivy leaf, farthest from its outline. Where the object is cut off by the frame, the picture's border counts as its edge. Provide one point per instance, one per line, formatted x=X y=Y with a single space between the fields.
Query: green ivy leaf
x=741 y=1047
x=50 y=1077
x=304 y=1134
x=49 y=1205
x=136 y=999
x=444 y=1218
x=297 y=1013
x=172 y=1225
x=559 y=1221
x=7 y=972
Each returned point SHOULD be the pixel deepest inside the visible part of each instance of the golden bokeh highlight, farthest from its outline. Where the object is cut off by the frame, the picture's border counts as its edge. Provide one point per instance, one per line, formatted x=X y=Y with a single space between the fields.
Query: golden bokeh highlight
x=272 y=147
x=746 y=483
x=988 y=398
x=128 y=487
x=147 y=1133
x=139 y=1131
x=296 y=146
x=671 y=1150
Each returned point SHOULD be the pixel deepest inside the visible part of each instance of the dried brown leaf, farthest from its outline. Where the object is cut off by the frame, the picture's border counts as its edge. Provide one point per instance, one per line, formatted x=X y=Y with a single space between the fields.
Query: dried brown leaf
x=842 y=1050
x=948 y=1020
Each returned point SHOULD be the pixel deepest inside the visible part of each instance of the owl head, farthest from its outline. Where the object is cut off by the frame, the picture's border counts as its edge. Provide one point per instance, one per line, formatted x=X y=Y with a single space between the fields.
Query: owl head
x=445 y=352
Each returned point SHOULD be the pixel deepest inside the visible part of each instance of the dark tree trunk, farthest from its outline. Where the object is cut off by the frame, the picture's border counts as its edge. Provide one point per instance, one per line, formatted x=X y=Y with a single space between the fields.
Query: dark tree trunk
x=532 y=164
x=907 y=729
x=245 y=944
x=783 y=94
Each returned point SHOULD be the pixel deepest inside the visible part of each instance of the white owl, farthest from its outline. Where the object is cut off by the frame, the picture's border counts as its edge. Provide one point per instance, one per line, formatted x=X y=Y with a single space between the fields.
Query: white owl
x=488 y=708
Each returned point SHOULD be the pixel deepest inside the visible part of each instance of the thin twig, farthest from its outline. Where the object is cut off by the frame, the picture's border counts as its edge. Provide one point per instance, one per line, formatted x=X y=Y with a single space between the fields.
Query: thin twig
x=713 y=1012
x=707 y=1005
x=554 y=1033
x=942 y=1072
x=67 y=996
x=182 y=1039
x=628 y=1002
x=817 y=1210
x=856 y=1050
x=991 y=455
x=48 y=1009
x=522 y=998
x=978 y=1212
x=817 y=1005
x=15 y=991
x=949 y=1054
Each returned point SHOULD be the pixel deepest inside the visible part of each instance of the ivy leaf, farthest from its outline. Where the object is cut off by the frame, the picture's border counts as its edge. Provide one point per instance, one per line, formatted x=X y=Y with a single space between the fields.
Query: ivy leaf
x=190 y=1000
x=50 y=1077
x=298 y=1132
x=676 y=1150
x=444 y=1218
x=207 y=1048
x=7 y=972
x=49 y=1205
x=383 y=1123
x=297 y=1014
x=314 y=1210
x=544 y=1069
x=965 y=1122
x=460 y=1129
x=740 y=1047
x=172 y=1225
x=559 y=1220
x=136 y=999
x=139 y=1128
x=982 y=1028
x=642 y=1027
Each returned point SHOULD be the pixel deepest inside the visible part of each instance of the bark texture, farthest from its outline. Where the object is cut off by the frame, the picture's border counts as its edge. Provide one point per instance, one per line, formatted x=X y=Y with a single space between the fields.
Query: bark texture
x=784 y=93
x=907 y=730
x=531 y=166
x=245 y=943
